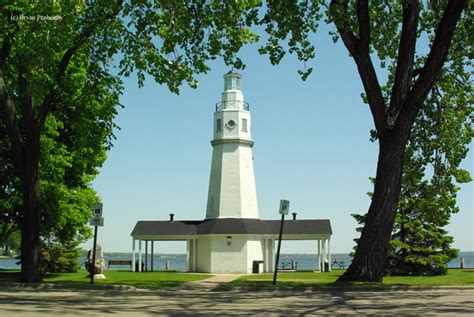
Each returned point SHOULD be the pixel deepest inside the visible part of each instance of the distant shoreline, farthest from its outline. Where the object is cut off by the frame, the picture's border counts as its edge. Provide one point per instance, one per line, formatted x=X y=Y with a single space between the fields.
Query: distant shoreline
x=129 y=252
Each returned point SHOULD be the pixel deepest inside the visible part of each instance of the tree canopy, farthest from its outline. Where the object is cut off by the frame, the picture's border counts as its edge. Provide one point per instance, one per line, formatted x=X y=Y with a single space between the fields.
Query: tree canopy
x=46 y=45
x=59 y=89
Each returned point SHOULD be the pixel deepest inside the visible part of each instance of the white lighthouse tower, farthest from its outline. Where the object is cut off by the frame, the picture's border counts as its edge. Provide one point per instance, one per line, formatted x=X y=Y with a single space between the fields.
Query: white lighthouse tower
x=232 y=238
x=232 y=191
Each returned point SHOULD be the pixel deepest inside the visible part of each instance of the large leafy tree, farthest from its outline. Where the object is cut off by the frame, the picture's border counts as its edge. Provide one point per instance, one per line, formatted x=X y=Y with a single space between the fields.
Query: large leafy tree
x=67 y=163
x=40 y=55
x=417 y=42
x=437 y=145
x=439 y=141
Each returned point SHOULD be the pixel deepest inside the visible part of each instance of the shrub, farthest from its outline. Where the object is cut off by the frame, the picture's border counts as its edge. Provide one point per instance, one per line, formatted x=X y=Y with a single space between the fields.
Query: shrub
x=60 y=258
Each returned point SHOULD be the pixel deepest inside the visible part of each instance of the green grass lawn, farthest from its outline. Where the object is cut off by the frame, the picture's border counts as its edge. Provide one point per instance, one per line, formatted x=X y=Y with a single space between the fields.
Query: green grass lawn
x=454 y=277
x=160 y=279
x=163 y=279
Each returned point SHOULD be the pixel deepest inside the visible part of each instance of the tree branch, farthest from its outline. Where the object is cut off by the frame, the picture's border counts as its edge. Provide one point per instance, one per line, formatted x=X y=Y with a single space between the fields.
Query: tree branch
x=434 y=63
x=364 y=27
x=8 y=38
x=63 y=64
x=25 y=100
x=406 y=56
x=416 y=72
x=359 y=49
x=8 y=112
x=349 y=39
x=4 y=51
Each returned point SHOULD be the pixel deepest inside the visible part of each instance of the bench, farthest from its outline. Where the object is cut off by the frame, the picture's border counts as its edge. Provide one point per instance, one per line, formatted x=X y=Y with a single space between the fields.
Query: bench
x=292 y=265
x=120 y=262
x=340 y=264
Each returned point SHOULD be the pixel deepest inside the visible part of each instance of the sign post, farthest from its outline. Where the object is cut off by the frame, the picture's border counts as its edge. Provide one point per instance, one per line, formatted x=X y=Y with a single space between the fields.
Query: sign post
x=96 y=220
x=284 y=209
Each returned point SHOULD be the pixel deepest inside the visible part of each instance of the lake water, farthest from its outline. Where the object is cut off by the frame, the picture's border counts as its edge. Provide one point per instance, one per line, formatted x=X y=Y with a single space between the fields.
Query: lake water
x=178 y=261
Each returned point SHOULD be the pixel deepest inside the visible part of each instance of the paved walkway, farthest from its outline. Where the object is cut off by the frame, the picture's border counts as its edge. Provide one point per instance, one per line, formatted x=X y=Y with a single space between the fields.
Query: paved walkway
x=210 y=283
x=21 y=301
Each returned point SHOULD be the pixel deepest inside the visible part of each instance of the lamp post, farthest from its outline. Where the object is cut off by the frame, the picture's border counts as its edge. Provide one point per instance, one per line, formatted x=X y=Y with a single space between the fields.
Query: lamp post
x=284 y=209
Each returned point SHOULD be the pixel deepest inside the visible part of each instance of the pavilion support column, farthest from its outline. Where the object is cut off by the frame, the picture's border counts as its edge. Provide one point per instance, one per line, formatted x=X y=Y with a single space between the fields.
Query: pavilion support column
x=188 y=255
x=265 y=260
x=329 y=255
x=323 y=262
x=319 y=256
x=269 y=255
x=272 y=255
x=139 y=255
x=133 y=255
x=146 y=255
x=265 y=253
x=194 y=254
x=152 y=253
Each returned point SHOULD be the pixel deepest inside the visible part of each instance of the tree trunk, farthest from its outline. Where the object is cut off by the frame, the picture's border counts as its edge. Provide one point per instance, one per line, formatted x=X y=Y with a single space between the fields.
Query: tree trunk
x=30 y=227
x=371 y=254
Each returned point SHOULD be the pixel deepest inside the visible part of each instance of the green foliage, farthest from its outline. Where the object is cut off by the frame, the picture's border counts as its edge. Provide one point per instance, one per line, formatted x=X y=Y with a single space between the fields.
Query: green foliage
x=60 y=258
x=65 y=190
x=173 y=41
x=11 y=245
x=10 y=199
x=439 y=141
x=289 y=25
x=60 y=88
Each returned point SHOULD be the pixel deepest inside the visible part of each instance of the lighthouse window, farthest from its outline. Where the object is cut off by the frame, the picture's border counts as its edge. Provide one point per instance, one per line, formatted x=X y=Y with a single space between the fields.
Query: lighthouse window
x=244 y=125
x=219 y=125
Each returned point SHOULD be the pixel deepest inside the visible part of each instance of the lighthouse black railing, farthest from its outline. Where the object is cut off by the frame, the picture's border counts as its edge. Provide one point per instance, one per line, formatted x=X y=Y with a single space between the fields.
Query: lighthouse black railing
x=232 y=104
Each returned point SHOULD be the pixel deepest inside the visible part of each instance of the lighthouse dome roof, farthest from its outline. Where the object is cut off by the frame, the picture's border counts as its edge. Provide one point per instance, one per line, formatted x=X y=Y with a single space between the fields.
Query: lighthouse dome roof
x=232 y=72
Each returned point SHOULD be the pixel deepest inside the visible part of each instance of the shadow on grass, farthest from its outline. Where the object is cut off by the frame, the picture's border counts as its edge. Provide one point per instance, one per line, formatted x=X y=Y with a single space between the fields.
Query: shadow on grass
x=295 y=286
x=81 y=279
x=9 y=276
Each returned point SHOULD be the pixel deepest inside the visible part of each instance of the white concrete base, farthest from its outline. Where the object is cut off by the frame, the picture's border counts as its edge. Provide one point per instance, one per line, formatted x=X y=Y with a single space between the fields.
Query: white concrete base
x=99 y=277
x=228 y=254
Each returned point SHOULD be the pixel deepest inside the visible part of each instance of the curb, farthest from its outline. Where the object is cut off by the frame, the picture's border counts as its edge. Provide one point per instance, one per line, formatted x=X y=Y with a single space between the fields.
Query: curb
x=225 y=287
x=69 y=286
x=345 y=288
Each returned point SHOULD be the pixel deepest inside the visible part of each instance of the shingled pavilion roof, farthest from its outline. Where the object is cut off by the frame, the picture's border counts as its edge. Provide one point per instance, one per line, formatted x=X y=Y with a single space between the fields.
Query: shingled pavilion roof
x=231 y=226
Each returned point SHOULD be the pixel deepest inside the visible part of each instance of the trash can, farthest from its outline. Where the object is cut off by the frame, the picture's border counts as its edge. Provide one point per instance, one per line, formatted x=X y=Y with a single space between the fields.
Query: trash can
x=136 y=266
x=326 y=267
x=257 y=266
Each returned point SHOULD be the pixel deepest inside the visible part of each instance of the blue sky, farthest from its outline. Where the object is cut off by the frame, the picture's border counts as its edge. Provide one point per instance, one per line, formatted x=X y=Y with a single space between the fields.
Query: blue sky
x=311 y=147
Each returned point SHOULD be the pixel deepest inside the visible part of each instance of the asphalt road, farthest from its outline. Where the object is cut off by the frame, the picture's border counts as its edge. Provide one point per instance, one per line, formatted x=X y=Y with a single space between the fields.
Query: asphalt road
x=205 y=301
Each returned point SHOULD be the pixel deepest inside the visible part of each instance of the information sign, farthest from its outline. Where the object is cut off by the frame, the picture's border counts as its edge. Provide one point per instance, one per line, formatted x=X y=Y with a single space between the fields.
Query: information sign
x=96 y=221
x=284 y=207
